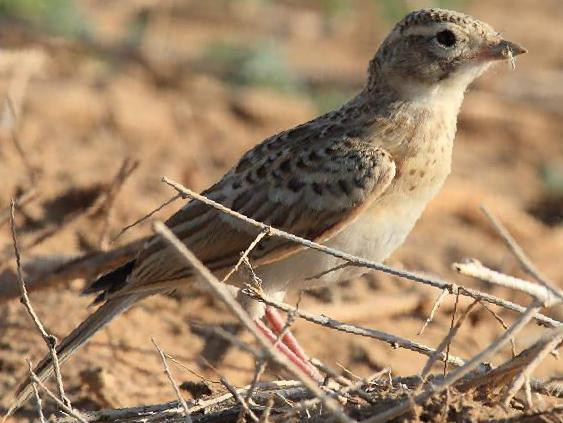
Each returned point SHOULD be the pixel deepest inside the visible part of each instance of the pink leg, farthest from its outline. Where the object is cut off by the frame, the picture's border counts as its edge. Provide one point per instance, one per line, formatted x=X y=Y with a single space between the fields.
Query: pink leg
x=278 y=324
x=285 y=350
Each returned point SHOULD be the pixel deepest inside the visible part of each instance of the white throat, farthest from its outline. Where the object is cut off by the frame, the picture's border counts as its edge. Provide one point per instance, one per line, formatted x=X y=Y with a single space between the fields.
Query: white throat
x=447 y=94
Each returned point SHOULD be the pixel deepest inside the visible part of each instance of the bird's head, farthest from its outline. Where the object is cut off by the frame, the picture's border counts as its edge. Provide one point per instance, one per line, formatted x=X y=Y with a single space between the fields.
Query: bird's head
x=438 y=48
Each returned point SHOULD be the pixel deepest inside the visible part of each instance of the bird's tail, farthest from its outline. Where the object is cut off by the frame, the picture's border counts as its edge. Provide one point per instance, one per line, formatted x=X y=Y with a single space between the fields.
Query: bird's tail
x=78 y=337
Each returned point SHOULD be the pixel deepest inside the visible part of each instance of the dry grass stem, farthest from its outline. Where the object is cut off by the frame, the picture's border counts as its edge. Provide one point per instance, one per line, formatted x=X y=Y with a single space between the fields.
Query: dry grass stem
x=189 y=370
x=245 y=254
x=38 y=403
x=507 y=370
x=245 y=409
x=10 y=122
x=50 y=340
x=20 y=201
x=105 y=206
x=66 y=407
x=502 y=323
x=445 y=343
x=545 y=346
x=145 y=217
x=519 y=253
x=437 y=283
x=452 y=330
x=265 y=417
x=181 y=399
x=435 y=308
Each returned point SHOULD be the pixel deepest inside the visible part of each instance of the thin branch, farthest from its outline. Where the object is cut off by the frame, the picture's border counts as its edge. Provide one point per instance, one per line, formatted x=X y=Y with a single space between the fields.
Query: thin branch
x=258 y=372
x=39 y=403
x=475 y=269
x=265 y=417
x=446 y=342
x=50 y=340
x=181 y=399
x=437 y=283
x=549 y=344
x=145 y=217
x=67 y=408
x=236 y=395
x=394 y=341
x=201 y=410
x=502 y=323
x=453 y=330
x=105 y=207
x=22 y=200
x=520 y=255
x=31 y=171
x=225 y=295
x=435 y=308
x=511 y=367
x=245 y=254
x=313 y=402
x=287 y=385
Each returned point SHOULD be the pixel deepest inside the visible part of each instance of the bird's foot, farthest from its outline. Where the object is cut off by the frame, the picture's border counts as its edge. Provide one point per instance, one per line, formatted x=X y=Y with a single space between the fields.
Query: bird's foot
x=287 y=344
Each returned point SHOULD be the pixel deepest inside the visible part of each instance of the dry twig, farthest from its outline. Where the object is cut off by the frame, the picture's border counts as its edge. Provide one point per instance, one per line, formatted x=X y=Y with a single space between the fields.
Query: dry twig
x=542 y=348
x=520 y=255
x=105 y=206
x=181 y=399
x=435 y=308
x=145 y=217
x=245 y=409
x=66 y=407
x=22 y=200
x=50 y=340
x=507 y=370
x=445 y=343
x=474 y=268
x=38 y=403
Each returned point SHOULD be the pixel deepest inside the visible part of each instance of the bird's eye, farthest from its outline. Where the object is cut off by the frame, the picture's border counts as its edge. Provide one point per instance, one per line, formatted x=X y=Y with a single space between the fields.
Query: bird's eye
x=446 y=38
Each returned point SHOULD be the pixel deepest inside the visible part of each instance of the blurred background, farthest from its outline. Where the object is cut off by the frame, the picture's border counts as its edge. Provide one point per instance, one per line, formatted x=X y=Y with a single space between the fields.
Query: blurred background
x=185 y=87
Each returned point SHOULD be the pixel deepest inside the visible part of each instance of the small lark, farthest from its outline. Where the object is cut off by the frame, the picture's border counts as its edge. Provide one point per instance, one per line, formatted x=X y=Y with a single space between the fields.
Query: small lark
x=355 y=179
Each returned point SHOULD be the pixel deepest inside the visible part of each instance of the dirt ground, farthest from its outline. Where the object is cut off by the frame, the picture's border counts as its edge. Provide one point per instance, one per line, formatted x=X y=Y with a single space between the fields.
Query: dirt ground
x=186 y=88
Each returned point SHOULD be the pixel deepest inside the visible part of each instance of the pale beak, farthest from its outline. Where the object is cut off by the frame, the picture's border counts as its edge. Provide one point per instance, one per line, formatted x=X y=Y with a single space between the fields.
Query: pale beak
x=502 y=50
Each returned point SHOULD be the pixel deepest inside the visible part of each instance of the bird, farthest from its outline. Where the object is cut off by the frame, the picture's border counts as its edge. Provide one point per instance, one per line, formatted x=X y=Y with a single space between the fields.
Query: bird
x=355 y=179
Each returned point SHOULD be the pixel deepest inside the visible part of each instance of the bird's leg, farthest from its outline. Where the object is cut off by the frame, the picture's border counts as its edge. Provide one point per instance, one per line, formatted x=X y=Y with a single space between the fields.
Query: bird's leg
x=278 y=325
x=304 y=365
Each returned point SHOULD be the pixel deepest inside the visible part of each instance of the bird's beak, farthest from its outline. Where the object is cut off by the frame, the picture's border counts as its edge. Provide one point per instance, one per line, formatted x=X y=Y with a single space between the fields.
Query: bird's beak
x=502 y=50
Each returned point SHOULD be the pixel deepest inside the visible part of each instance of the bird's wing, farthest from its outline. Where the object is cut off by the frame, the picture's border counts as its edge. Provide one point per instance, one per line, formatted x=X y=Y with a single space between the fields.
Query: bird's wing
x=307 y=191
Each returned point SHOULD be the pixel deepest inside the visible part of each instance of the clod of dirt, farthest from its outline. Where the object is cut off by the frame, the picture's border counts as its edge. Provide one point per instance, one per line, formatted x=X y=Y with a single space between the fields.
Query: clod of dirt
x=196 y=389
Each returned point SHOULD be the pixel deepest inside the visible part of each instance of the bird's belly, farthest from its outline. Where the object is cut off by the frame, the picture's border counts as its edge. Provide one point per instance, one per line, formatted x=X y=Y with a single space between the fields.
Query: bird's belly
x=373 y=236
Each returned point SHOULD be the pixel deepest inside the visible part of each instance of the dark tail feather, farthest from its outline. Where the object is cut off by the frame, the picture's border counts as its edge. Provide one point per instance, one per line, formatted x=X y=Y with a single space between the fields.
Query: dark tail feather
x=110 y=282
x=78 y=337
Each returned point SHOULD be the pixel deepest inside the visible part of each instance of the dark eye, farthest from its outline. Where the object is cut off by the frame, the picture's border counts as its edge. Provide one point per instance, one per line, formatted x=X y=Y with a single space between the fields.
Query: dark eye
x=446 y=38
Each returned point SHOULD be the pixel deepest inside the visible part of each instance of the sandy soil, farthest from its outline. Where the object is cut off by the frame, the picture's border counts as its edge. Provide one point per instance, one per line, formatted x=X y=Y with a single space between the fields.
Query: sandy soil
x=82 y=111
